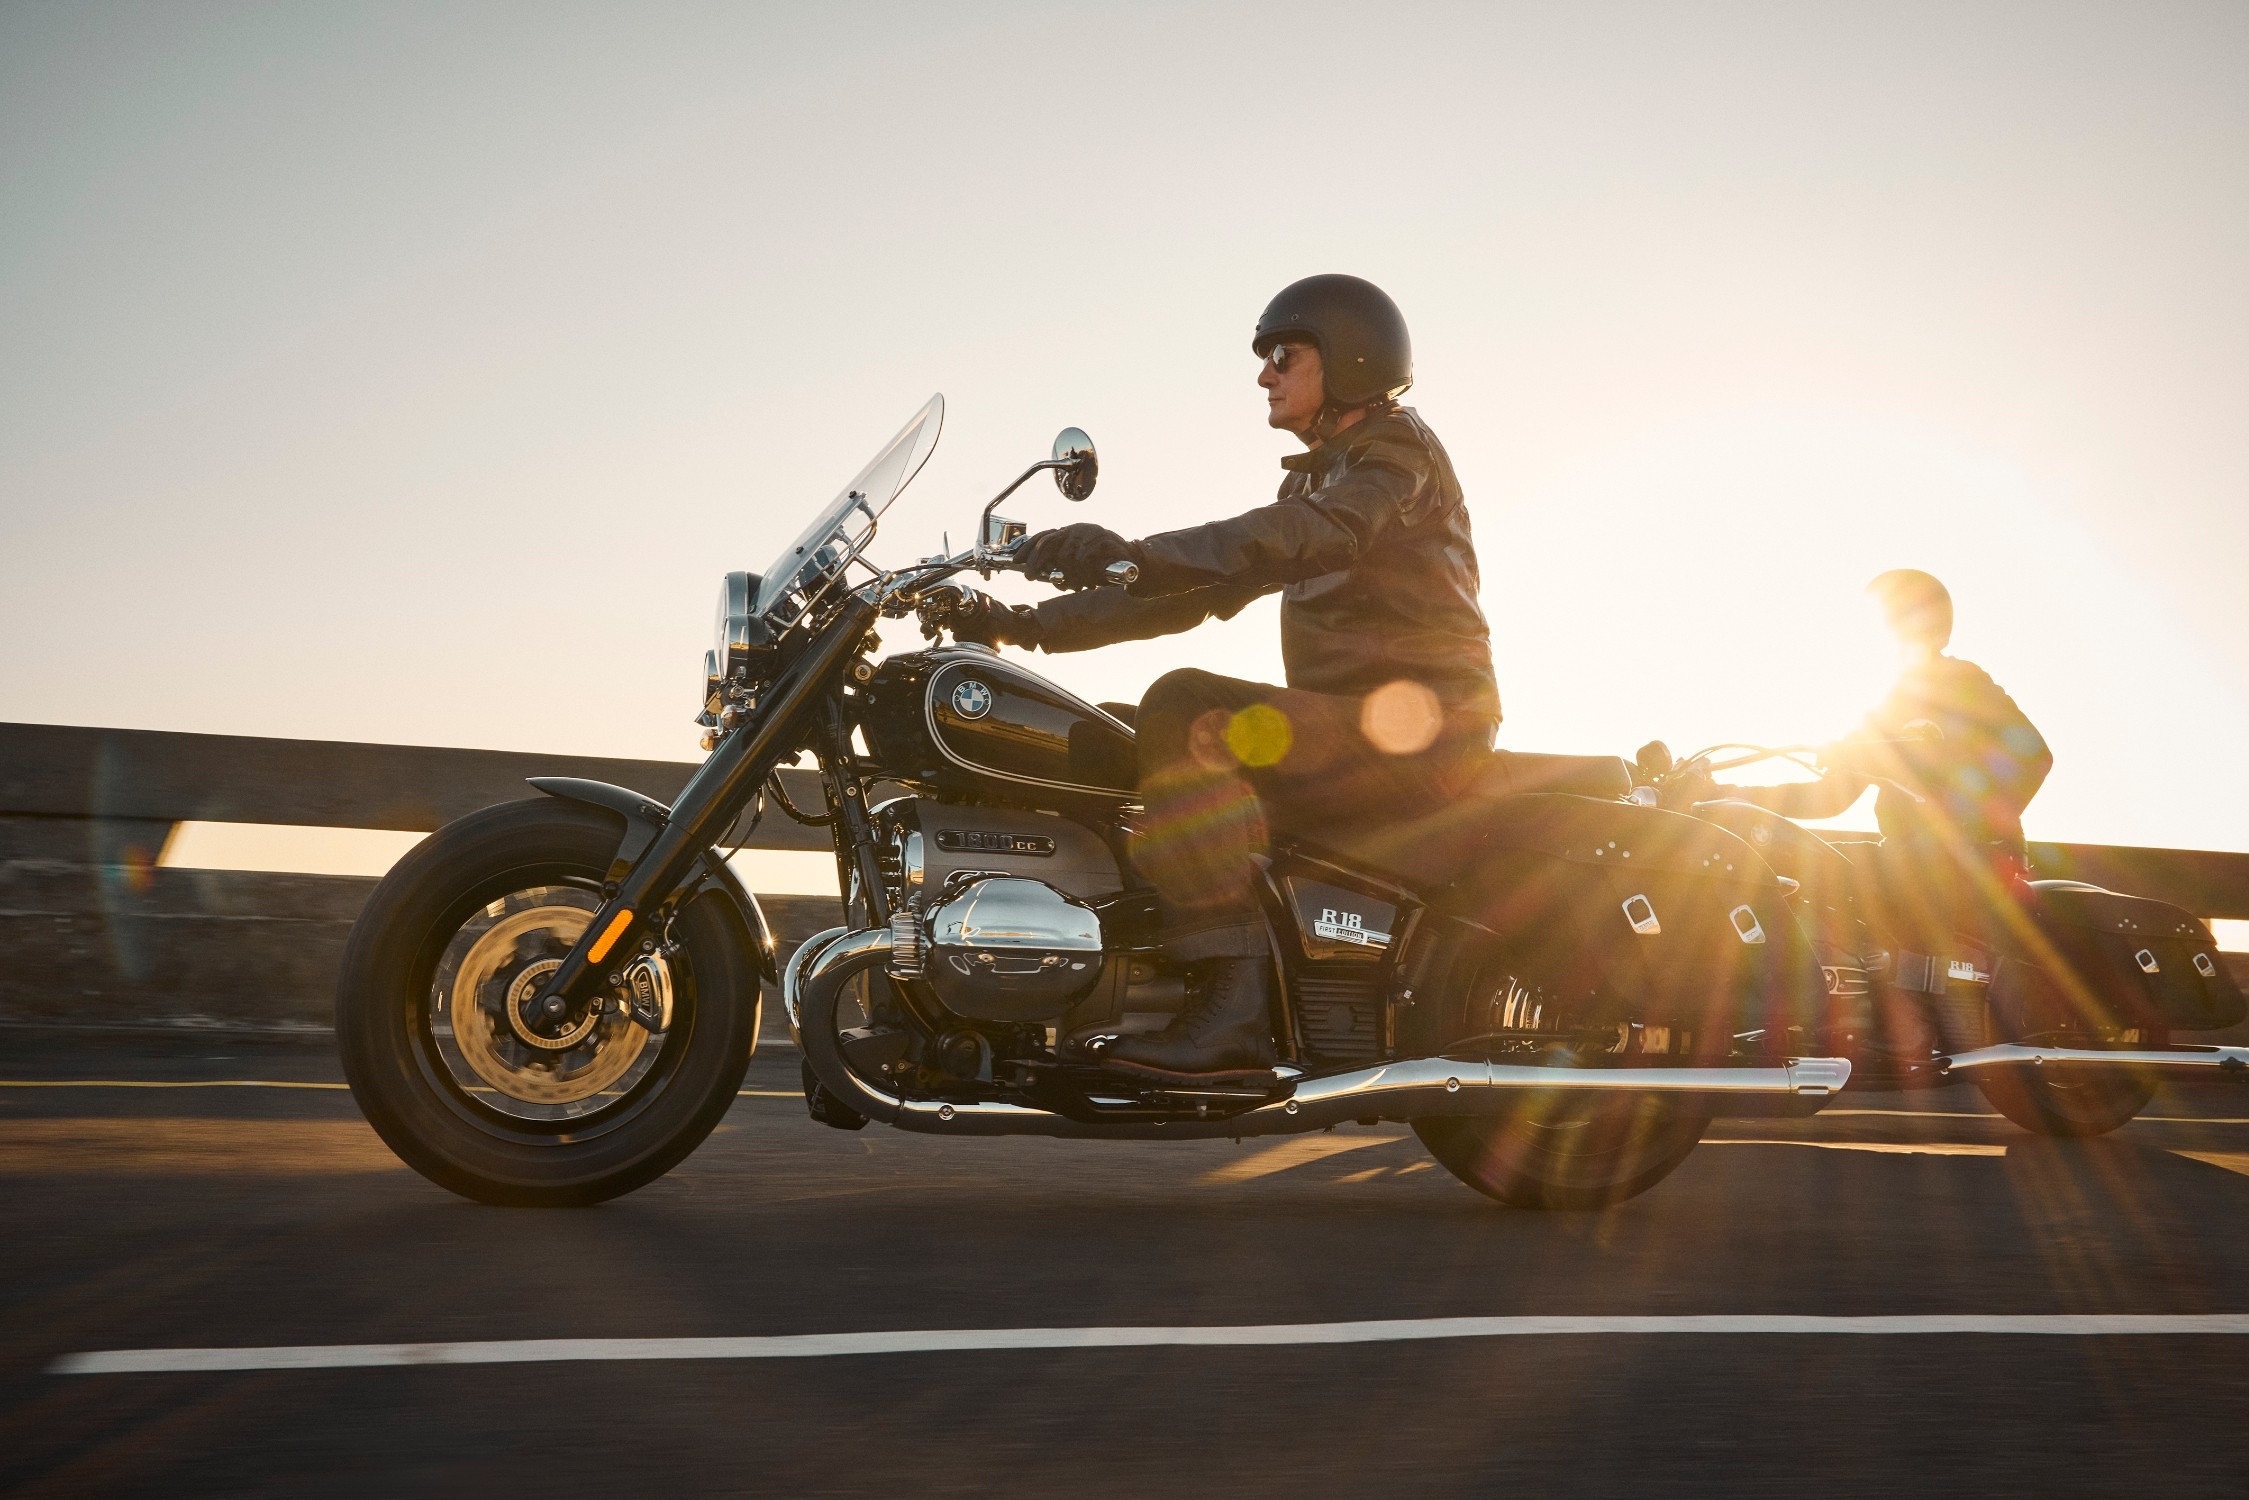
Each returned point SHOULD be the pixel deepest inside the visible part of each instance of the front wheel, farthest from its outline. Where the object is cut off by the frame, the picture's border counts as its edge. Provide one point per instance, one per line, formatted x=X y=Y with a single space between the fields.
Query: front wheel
x=477 y=1088
x=1567 y=1151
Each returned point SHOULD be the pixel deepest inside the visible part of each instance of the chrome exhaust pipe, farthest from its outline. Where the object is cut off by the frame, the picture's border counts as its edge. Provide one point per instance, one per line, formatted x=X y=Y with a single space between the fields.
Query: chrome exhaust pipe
x=2185 y=1063
x=792 y=975
x=1409 y=1088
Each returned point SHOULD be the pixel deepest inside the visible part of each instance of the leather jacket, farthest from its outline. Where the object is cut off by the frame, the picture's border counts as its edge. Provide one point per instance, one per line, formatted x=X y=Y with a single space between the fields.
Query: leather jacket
x=1369 y=547
x=1975 y=781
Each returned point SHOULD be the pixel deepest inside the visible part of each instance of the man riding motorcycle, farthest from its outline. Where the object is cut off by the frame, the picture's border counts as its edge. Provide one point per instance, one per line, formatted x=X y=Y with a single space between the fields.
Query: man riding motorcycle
x=1957 y=761
x=1391 y=701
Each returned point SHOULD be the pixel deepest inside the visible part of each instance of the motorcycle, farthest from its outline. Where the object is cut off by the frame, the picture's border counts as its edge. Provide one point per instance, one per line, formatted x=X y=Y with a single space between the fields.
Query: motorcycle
x=2060 y=1007
x=553 y=1001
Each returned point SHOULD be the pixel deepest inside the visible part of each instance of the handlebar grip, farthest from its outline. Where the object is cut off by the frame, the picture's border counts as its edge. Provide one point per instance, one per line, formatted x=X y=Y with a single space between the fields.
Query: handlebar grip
x=1120 y=572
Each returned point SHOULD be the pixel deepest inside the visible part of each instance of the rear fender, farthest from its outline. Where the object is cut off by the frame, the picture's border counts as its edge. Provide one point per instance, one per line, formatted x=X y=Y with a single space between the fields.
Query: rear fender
x=645 y=817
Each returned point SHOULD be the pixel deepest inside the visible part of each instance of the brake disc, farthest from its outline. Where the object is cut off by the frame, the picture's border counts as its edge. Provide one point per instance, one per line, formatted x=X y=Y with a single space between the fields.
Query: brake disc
x=516 y=1051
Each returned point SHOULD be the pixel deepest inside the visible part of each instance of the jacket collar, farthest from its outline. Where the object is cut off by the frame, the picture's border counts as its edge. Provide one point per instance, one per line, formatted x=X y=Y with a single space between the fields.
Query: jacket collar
x=1320 y=454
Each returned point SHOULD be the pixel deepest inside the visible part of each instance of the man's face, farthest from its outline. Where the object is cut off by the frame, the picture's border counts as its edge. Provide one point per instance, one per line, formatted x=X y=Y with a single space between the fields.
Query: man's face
x=1294 y=388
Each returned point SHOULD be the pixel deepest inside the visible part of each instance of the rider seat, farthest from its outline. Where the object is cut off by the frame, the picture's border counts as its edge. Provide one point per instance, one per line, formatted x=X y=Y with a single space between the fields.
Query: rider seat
x=1436 y=848
x=1513 y=772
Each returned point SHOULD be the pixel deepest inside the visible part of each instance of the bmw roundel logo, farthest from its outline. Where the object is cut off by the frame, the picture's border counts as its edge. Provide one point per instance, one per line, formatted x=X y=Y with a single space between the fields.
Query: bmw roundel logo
x=971 y=699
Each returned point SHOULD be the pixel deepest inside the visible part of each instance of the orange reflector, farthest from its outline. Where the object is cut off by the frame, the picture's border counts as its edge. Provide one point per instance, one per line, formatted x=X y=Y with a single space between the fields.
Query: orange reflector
x=609 y=936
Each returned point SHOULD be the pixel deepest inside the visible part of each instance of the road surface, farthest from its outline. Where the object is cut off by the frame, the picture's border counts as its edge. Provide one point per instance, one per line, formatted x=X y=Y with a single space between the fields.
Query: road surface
x=254 y=1210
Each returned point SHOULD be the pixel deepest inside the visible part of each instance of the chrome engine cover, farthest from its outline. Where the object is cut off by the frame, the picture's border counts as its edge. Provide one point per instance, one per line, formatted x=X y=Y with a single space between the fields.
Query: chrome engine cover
x=930 y=844
x=1004 y=948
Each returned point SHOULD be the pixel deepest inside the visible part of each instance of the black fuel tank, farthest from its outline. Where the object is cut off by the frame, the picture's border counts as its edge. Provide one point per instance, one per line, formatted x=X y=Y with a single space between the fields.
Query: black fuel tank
x=1792 y=850
x=963 y=718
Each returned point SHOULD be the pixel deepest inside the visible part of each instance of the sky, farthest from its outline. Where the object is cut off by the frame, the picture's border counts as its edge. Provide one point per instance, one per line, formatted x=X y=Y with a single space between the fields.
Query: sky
x=412 y=373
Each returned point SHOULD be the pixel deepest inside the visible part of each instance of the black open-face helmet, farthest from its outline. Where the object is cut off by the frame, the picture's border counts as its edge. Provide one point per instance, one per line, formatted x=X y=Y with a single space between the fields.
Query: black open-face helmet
x=1918 y=607
x=1359 y=331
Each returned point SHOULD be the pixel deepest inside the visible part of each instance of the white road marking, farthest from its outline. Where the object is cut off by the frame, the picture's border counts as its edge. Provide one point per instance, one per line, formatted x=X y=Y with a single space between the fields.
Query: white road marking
x=1294 y=1152
x=969 y=1340
x=1922 y=1114
x=1996 y=1118
x=156 y=1083
x=1911 y=1148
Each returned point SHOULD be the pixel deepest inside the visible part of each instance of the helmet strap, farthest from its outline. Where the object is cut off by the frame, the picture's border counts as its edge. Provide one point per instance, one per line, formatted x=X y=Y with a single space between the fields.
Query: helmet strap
x=1332 y=413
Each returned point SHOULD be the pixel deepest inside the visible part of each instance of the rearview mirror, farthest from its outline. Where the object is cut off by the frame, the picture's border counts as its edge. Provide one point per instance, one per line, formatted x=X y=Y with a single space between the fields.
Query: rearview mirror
x=1654 y=758
x=1077 y=468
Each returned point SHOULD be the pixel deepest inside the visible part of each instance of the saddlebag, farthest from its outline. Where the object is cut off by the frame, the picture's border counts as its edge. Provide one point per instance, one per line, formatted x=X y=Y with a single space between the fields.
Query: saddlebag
x=1649 y=916
x=2120 y=960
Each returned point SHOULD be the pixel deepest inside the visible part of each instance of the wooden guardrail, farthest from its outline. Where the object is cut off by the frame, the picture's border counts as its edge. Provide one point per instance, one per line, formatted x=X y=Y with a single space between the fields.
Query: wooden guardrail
x=93 y=932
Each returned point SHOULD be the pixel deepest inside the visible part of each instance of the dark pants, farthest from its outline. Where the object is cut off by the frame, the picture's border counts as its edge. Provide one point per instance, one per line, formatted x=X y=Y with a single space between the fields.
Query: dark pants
x=1227 y=766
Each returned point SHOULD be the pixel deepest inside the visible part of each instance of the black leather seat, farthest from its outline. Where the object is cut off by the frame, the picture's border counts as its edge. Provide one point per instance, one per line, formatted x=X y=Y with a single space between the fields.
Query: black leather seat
x=1435 y=848
x=1515 y=771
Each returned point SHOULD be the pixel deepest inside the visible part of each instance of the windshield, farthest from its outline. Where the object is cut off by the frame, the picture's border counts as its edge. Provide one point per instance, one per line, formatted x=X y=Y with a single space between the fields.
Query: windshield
x=844 y=523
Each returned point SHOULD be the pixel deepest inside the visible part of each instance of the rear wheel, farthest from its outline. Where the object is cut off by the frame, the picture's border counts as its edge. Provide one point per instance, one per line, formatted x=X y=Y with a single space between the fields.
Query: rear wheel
x=1567 y=1150
x=478 y=1089
x=2070 y=1099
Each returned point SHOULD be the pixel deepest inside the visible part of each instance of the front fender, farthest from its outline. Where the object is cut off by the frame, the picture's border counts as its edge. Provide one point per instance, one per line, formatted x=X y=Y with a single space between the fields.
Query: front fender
x=645 y=817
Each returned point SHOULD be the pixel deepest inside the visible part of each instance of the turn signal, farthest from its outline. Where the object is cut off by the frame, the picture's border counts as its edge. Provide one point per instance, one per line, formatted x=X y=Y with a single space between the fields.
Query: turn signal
x=610 y=934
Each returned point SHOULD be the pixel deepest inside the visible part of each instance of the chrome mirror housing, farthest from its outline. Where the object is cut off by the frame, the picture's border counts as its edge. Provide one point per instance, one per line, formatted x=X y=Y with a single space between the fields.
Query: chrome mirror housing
x=1076 y=467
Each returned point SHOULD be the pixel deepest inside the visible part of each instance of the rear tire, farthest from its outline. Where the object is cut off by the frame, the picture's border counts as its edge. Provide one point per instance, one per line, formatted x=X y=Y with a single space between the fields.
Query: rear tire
x=1567 y=1152
x=458 y=1097
x=2067 y=1101
x=2063 y=1100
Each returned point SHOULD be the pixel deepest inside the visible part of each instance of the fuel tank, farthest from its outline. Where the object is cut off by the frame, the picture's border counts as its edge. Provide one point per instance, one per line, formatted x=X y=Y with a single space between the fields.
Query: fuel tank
x=1794 y=851
x=962 y=720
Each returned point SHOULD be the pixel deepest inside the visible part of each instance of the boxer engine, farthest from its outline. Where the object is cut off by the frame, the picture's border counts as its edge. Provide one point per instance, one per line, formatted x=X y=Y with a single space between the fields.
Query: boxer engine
x=999 y=911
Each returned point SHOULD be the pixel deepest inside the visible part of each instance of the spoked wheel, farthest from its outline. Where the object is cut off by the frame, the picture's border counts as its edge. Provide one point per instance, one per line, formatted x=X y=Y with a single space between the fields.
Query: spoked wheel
x=485 y=1092
x=1567 y=1150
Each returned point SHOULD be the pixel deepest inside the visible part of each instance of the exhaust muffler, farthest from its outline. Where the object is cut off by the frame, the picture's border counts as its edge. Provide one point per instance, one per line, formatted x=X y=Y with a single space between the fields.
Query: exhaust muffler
x=1406 y=1089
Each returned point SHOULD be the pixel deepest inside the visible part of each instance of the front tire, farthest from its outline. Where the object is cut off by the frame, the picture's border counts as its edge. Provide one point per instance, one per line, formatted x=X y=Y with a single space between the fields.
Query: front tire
x=452 y=1070
x=1560 y=1151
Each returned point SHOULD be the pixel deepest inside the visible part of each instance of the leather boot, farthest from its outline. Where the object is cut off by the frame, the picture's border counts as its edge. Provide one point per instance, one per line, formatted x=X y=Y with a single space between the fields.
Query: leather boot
x=1226 y=1028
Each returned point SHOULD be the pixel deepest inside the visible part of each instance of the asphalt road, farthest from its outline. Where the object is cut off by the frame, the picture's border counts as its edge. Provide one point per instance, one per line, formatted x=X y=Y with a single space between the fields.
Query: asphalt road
x=141 y=1217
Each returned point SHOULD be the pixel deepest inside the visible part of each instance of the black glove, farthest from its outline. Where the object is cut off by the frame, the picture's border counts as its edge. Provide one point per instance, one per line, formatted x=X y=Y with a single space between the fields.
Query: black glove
x=973 y=616
x=1079 y=553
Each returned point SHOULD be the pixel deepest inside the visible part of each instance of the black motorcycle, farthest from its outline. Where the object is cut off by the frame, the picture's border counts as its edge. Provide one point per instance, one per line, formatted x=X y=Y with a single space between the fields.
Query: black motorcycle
x=2059 y=1000
x=553 y=1001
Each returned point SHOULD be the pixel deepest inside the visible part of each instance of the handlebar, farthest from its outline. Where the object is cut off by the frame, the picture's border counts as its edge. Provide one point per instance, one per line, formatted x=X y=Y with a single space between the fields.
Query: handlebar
x=1701 y=763
x=899 y=591
x=1120 y=573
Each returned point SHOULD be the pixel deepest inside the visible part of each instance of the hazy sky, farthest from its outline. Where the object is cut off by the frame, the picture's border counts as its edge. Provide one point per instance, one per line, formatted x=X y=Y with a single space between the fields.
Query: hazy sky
x=411 y=373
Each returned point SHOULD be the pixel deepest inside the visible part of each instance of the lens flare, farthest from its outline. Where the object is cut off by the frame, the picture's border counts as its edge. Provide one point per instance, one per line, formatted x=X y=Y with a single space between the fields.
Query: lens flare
x=1202 y=830
x=1260 y=735
x=1401 y=718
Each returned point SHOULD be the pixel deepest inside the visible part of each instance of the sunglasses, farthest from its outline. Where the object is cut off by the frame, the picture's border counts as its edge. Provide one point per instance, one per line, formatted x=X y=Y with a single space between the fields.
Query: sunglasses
x=1281 y=356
